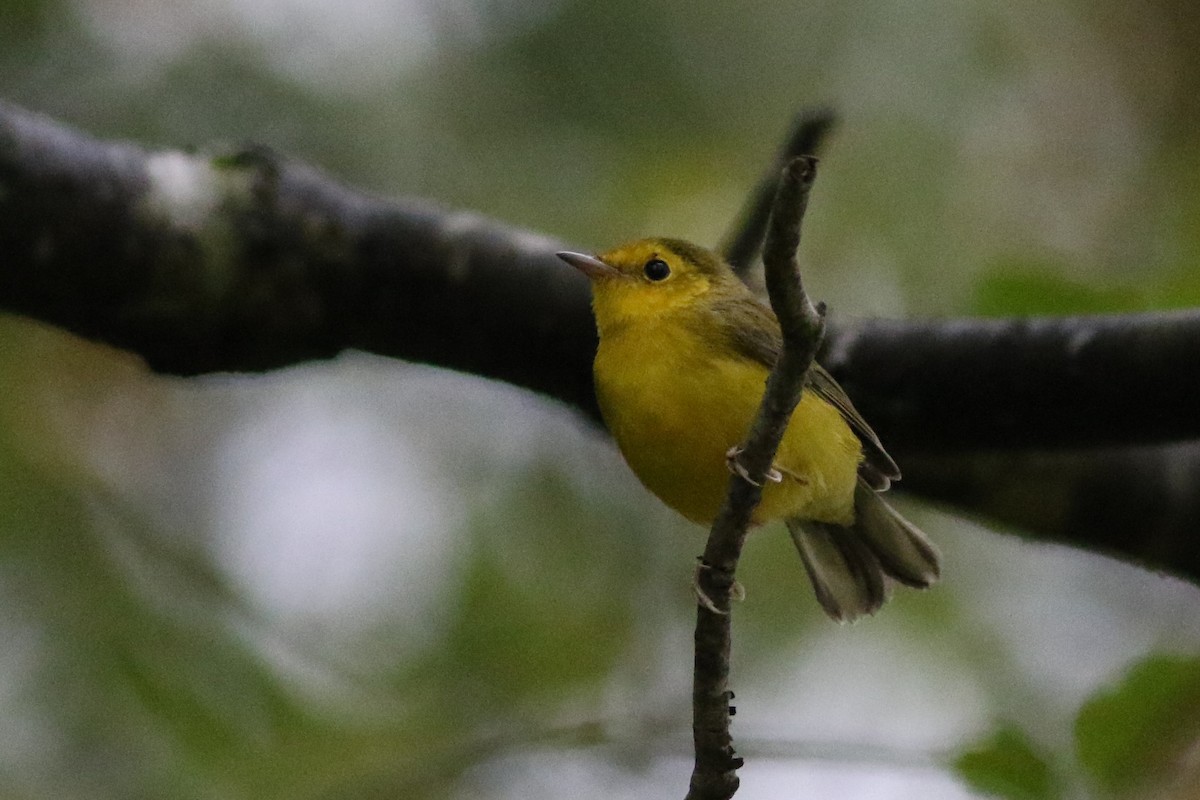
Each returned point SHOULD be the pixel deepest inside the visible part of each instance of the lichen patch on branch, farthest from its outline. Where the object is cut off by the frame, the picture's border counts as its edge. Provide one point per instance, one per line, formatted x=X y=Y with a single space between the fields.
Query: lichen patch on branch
x=194 y=200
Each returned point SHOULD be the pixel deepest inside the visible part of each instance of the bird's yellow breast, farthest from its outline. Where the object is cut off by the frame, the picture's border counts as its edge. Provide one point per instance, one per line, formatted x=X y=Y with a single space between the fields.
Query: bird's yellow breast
x=675 y=405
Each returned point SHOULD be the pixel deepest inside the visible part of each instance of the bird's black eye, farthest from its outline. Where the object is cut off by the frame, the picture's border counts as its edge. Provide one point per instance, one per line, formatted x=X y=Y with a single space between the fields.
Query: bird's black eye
x=656 y=269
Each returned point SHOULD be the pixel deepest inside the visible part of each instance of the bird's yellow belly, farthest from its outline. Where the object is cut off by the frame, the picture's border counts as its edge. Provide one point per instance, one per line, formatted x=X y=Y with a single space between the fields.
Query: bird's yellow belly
x=675 y=410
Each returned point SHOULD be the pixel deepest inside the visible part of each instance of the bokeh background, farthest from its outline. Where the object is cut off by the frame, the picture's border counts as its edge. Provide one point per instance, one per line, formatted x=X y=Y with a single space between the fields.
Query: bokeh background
x=370 y=579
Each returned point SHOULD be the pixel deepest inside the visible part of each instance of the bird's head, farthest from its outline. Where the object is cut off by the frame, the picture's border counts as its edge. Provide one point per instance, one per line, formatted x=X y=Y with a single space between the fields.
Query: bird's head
x=649 y=278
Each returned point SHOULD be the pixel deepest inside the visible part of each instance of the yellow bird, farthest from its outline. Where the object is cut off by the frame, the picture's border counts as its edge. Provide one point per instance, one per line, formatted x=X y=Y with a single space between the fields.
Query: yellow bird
x=685 y=350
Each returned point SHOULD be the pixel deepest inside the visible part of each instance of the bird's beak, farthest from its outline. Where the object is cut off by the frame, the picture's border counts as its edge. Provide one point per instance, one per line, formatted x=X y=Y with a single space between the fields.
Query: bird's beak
x=588 y=265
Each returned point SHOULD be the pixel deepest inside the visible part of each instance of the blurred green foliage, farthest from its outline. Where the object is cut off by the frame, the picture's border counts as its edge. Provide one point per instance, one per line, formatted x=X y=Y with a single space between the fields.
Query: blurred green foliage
x=1137 y=738
x=1008 y=765
x=548 y=575
x=1141 y=732
x=1032 y=289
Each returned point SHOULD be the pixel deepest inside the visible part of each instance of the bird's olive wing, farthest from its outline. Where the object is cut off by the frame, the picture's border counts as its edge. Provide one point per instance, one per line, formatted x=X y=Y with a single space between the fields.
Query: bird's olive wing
x=878 y=468
x=751 y=330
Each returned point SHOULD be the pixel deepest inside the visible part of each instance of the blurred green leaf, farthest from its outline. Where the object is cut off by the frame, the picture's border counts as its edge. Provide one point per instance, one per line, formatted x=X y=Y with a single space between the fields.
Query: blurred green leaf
x=1007 y=765
x=1179 y=289
x=1028 y=288
x=1134 y=733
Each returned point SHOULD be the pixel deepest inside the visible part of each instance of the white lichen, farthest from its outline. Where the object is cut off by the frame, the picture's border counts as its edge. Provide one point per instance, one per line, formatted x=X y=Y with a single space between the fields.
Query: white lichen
x=184 y=190
x=191 y=197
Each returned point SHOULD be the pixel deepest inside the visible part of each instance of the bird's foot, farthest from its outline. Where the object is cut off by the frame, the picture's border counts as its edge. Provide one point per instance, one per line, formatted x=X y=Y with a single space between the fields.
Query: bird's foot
x=795 y=476
x=736 y=591
x=733 y=465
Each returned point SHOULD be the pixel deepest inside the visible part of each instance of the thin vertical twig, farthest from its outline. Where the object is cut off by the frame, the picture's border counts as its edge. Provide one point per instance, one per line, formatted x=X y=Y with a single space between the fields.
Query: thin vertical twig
x=742 y=243
x=714 y=776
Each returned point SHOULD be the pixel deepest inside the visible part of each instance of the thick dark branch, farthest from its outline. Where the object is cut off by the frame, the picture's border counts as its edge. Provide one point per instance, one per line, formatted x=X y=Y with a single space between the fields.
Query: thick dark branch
x=247 y=261
x=715 y=772
x=955 y=385
x=742 y=244
x=1139 y=503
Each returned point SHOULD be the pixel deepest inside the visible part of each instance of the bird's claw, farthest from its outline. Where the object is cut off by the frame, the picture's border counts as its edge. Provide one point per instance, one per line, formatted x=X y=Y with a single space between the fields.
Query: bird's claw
x=731 y=462
x=736 y=591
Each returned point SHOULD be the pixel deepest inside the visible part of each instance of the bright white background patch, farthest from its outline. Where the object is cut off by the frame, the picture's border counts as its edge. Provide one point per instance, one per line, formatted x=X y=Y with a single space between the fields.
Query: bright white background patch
x=353 y=44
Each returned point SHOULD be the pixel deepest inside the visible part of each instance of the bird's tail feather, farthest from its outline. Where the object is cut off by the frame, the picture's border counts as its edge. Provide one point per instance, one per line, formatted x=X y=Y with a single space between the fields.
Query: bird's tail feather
x=904 y=552
x=848 y=564
x=845 y=574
